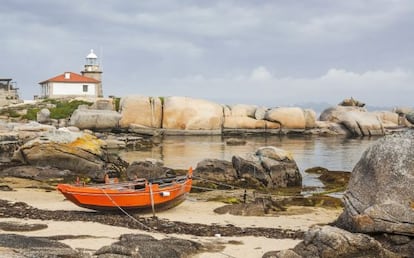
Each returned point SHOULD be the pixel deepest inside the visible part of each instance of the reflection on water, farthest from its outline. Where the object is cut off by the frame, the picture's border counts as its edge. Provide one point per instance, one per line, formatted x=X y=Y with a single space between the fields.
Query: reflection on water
x=334 y=153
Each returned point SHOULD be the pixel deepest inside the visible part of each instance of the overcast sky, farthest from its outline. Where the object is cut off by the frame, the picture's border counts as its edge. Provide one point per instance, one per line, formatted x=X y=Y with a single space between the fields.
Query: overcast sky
x=270 y=53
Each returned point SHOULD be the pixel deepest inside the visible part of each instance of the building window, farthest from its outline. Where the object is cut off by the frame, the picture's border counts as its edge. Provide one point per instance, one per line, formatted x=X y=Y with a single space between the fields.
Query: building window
x=85 y=88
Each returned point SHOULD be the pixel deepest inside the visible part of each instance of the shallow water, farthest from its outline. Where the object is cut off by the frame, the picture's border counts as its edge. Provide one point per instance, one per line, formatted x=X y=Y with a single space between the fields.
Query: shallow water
x=334 y=153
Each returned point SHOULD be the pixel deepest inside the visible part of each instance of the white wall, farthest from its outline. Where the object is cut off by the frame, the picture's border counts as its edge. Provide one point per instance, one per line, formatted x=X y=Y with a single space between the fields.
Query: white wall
x=73 y=89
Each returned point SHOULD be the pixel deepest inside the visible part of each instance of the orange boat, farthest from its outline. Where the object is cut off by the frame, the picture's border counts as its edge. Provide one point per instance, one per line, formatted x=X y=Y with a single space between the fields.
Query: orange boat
x=163 y=192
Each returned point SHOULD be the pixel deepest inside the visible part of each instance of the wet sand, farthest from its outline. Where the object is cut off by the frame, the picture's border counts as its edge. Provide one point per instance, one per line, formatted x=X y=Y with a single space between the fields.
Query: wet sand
x=193 y=210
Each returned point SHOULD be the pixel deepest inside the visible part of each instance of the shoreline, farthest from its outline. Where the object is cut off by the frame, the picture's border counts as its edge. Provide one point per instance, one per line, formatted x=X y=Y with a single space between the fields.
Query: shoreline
x=190 y=211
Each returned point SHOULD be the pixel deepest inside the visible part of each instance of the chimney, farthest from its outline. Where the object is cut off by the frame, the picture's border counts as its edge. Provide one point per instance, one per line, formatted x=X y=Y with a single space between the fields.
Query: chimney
x=67 y=76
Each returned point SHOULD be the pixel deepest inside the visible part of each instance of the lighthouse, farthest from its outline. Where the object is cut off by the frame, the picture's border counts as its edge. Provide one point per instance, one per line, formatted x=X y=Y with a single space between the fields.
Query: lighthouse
x=93 y=70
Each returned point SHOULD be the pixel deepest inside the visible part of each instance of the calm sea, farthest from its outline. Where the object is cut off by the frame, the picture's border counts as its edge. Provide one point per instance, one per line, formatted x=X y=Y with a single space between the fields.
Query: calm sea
x=334 y=153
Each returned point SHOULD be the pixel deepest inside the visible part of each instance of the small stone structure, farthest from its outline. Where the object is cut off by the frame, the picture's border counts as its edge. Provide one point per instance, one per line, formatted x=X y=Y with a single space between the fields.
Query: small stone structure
x=8 y=92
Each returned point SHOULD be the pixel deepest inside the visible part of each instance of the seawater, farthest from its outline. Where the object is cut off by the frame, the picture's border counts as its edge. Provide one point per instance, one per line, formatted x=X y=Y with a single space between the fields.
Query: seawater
x=333 y=152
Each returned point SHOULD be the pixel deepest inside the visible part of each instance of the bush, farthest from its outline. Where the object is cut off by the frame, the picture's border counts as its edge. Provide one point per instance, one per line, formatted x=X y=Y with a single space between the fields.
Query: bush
x=9 y=112
x=31 y=114
x=64 y=109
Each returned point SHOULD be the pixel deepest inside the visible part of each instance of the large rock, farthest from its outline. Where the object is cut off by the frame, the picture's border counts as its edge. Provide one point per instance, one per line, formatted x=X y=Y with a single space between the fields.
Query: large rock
x=357 y=121
x=310 y=118
x=143 y=111
x=351 y=102
x=329 y=241
x=34 y=172
x=288 y=117
x=410 y=117
x=146 y=169
x=260 y=113
x=217 y=170
x=95 y=119
x=240 y=122
x=380 y=194
x=103 y=104
x=244 y=117
x=13 y=245
x=183 y=113
x=388 y=118
x=43 y=116
x=78 y=152
x=334 y=114
x=243 y=110
x=130 y=245
x=271 y=166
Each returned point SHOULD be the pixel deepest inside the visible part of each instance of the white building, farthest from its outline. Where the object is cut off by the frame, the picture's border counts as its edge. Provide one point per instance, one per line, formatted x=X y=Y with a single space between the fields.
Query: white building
x=70 y=85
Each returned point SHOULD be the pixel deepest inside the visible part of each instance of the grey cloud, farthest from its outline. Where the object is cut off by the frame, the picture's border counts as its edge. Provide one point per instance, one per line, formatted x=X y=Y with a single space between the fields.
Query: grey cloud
x=150 y=47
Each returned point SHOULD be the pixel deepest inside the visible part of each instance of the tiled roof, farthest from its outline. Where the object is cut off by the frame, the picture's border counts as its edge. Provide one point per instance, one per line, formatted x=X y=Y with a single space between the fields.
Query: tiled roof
x=74 y=77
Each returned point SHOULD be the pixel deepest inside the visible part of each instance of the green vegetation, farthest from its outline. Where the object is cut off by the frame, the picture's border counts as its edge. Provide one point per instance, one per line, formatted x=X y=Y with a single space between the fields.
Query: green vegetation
x=62 y=109
x=117 y=103
x=31 y=114
x=9 y=112
x=65 y=109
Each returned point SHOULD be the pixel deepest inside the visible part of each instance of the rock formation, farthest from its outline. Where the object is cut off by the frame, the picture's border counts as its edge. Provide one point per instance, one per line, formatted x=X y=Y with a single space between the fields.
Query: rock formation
x=288 y=117
x=267 y=167
x=130 y=245
x=244 y=117
x=380 y=195
x=357 y=120
x=141 y=111
x=334 y=242
x=78 y=152
x=182 y=113
x=95 y=119
x=410 y=117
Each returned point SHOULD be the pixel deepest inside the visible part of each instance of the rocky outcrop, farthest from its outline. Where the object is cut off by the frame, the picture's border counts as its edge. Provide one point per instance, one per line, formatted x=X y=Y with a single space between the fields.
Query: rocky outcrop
x=357 y=120
x=218 y=170
x=380 y=195
x=310 y=118
x=149 y=169
x=103 y=104
x=330 y=241
x=130 y=245
x=271 y=166
x=267 y=167
x=288 y=117
x=410 y=117
x=34 y=172
x=43 y=116
x=13 y=245
x=240 y=110
x=78 y=152
x=388 y=118
x=95 y=119
x=141 y=111
x=182 y=113
x=244 y=117
x=351 y=102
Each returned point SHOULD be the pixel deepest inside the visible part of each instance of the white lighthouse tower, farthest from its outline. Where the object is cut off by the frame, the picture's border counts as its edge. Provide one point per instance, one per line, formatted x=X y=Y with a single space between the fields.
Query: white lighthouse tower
x=92 y=70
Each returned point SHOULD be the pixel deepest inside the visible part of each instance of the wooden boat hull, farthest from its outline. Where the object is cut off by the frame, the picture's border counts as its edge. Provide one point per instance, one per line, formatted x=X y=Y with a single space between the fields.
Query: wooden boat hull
x=125 y=196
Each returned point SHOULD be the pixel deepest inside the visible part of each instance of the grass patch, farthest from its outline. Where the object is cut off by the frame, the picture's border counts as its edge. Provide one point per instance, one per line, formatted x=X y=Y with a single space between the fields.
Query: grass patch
x=64 y=109
x=31 y=114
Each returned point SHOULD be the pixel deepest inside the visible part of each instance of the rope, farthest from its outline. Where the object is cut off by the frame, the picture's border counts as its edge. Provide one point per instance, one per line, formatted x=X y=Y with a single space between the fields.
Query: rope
x=126 y=213
x=255 y=194
x=217 y=183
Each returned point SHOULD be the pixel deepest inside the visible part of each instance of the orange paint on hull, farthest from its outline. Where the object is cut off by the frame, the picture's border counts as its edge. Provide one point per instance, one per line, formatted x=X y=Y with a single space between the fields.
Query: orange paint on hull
x=129 y=195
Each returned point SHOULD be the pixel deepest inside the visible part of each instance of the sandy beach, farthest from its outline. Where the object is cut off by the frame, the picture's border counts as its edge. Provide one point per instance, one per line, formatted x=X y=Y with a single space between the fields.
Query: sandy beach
x=193 y=210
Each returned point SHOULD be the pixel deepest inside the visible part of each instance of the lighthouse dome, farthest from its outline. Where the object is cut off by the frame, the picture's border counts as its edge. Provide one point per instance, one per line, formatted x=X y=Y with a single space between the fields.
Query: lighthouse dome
x=92 y=55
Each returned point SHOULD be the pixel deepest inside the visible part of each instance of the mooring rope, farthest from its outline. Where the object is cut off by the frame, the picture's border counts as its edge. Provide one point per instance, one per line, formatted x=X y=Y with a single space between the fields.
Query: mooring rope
x=126 y=213
x=142 y=224
x=217 y=183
